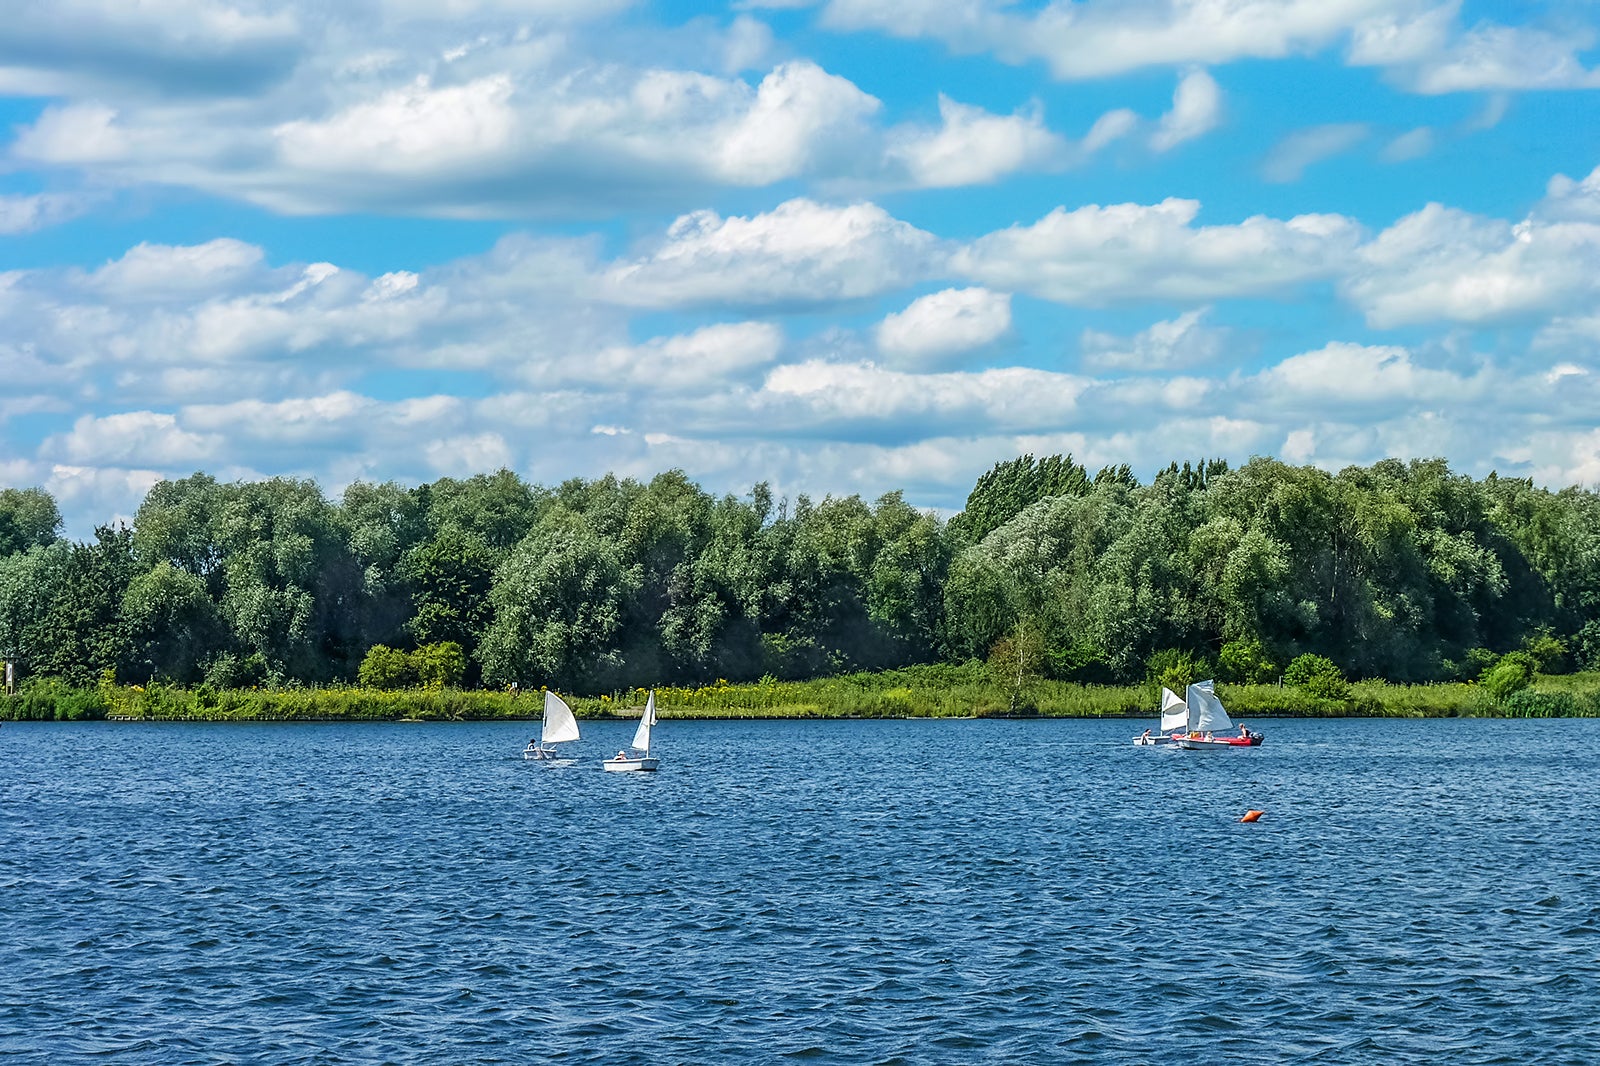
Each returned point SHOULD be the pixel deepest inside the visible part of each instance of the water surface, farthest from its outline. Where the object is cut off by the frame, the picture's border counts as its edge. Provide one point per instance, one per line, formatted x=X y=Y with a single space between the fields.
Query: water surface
x=853 y=892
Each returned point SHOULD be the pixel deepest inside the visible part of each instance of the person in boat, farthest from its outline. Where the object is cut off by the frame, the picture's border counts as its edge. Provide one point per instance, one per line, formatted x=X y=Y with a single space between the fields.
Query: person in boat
x=1244 y=734
x=1209 y=735
x=621 y=757
x=1146 y=735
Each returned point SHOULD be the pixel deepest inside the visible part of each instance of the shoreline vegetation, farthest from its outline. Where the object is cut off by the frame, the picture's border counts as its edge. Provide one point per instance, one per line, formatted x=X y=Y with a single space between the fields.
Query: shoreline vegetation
x=937 y=691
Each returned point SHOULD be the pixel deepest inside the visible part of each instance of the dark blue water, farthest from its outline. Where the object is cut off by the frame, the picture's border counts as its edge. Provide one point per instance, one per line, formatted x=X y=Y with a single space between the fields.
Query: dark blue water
x=861 y=892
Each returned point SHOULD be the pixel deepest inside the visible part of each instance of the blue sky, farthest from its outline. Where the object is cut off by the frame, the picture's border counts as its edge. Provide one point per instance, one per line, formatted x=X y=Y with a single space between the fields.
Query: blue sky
x=842 y=246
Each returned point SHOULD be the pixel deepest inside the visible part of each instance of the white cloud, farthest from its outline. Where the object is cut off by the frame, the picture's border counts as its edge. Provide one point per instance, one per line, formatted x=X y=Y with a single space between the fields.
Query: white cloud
x=143 y=437
x=800 y=113
x=1442 y=263
x=974 y=147
x=1289 y=159
x=705 y=359
x=418 y=128
x=801 y=252
x=1099 y=38
x=157 y=271
x=943 y=324
x=1368 y=377
x=1097 y=255
x=466 y=455
x=1196 y=109
x=1413 y=144
x=1111 y=126
x=1167 y=345
x=26 y=213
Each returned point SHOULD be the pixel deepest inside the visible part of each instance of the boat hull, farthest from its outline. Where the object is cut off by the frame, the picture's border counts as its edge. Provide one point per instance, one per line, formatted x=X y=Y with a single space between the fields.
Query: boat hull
x=1154 y=742
x=1219 y=743
x=624 y=765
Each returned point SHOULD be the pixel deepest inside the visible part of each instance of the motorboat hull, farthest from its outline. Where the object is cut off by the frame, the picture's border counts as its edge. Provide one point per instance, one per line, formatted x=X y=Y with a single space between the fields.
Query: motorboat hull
x=1217 y=743
x=622 y=765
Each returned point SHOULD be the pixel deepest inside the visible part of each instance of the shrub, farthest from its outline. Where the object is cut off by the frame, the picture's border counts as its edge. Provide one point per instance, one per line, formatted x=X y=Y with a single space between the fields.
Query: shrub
x=386 y=668
x=1479 y=661
x=1319 y=676
x=1512 y=673
x=441 y=665
x=1549 y=655
x=1246 y=662
x=1174 y=668
x=230 y=671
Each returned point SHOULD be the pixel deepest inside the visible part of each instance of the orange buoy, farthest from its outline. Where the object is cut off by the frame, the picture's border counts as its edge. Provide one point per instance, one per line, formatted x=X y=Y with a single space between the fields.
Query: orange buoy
x=1252 y=816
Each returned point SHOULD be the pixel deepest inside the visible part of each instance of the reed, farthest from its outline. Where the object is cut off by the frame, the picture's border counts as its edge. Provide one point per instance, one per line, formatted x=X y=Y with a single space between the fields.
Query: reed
x=935 y=691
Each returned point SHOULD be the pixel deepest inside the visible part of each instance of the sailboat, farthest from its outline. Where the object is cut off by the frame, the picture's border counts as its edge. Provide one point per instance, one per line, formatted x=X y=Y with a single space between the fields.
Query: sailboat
x=559 y=726
x=640 y=759
x=1174 y=719
x=1206 y=718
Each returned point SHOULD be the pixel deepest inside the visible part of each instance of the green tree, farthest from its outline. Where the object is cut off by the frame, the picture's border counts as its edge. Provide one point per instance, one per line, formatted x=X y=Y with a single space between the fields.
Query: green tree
x=173 y=624
x=1318 y=675
x=29 y=518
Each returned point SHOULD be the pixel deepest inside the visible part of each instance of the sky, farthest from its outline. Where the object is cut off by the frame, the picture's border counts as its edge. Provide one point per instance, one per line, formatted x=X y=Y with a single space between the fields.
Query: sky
x=839 y=246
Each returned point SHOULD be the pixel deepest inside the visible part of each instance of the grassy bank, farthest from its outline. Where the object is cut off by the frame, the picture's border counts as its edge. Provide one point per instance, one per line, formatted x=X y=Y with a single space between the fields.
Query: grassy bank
x=937 y=691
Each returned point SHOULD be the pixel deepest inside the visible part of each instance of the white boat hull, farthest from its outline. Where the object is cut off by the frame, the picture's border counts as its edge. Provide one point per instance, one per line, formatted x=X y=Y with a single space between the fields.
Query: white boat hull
x=620 y=765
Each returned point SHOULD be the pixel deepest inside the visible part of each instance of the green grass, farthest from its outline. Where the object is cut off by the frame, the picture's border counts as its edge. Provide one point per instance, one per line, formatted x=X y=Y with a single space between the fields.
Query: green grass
x=935 y=691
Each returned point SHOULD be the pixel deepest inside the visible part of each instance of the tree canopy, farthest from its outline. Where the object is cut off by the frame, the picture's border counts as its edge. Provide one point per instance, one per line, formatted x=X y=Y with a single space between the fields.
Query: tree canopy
x=1401 y=570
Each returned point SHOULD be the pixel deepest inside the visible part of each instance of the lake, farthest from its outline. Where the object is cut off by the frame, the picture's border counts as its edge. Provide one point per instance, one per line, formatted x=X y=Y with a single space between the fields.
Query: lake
x=852 y=892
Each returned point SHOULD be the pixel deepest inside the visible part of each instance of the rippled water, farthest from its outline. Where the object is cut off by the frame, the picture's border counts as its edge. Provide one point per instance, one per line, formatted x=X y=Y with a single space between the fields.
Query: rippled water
x=872 y=892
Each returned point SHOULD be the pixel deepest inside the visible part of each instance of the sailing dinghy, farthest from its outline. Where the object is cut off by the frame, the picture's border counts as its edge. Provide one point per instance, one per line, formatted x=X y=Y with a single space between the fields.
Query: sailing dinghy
x=1207 y=718
x=559 y=727
x=640 y=757
x=1174 y=719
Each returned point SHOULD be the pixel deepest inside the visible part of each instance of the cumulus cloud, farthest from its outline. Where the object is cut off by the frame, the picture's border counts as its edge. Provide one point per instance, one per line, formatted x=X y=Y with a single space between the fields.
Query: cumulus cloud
x=801 y=252
x=1096 y=255
x=943 y=324
x=973 y=147
x=1167 y=345
x=1289 y=159
x=1444 y=263
x=713 y=356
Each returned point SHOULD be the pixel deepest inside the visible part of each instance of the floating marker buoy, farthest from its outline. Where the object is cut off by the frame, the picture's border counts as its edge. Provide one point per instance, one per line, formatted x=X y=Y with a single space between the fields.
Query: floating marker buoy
x=1252 y=816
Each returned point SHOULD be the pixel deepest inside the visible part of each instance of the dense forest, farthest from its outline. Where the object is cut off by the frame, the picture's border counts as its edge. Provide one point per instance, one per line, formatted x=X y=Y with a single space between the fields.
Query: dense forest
x=1403 y=571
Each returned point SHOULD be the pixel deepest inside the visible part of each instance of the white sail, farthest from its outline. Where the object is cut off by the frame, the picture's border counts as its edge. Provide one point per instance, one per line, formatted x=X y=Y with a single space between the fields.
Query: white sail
x=559 y=724
x=1174 y=712
x=641 y=736
x=1205 y=710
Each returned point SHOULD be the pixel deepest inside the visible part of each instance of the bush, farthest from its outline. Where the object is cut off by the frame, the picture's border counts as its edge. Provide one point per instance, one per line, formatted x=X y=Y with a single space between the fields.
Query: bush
x=1549 y=655
x=386 y=668
x=1176 y=669
x=1479 y=661
x=230 y=671
x=1319 y=676
x=438 y=666
x=1246 y=662
x=1512 y=673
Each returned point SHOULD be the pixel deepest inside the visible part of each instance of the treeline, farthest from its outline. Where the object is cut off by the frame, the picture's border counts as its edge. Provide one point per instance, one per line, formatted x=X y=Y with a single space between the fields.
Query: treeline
x=1402 y=571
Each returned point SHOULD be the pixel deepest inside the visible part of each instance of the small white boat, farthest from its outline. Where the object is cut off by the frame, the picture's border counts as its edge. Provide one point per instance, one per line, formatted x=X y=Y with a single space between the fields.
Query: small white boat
x=559 y=726
x=1174 y=717
x=640 y=759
